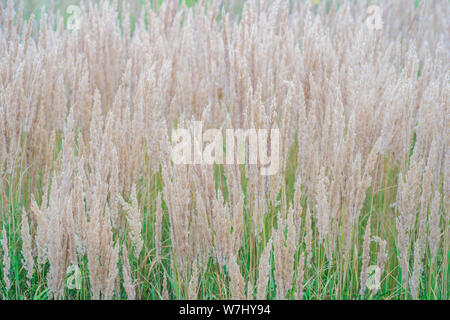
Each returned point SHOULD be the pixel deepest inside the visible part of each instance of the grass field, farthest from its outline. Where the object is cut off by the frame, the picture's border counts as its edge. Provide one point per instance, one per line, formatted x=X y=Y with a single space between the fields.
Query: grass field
x=94 y=206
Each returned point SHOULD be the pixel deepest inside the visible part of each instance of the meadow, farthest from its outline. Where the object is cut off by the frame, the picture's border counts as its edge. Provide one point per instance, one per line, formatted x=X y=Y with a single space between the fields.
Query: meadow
x=92 y=205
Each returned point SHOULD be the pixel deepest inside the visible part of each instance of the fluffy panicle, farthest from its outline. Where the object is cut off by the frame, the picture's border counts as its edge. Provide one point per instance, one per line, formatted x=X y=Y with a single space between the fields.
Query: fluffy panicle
x=6 y=261
x=264 y=271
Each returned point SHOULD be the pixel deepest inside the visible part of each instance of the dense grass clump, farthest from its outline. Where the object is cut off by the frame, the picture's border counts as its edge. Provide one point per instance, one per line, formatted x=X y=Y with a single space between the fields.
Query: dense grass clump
x=94 y=206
